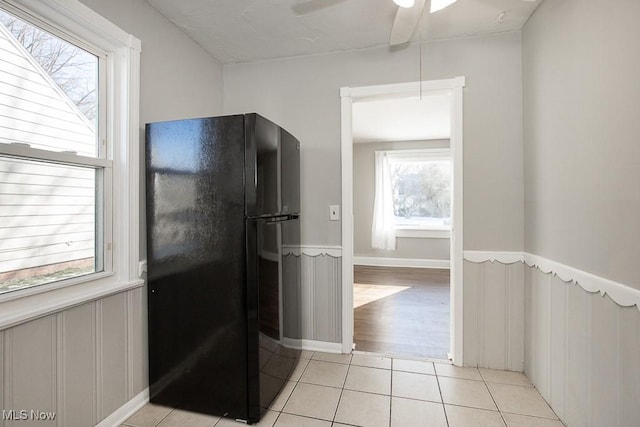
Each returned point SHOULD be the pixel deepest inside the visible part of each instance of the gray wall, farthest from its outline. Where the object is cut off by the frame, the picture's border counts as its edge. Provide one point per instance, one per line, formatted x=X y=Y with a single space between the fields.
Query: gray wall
x=363 y=196
x=302 y=94
x=582 y=157
x=87 y=361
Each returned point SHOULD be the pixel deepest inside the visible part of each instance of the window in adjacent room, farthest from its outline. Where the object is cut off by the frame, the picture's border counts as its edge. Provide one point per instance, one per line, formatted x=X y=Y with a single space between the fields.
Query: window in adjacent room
x=421 y=190
x=412 y=195
x=54 y=168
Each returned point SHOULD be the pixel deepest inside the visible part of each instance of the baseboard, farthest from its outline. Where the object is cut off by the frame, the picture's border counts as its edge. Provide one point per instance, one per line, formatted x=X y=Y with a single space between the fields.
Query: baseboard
x=312 y=345
x=125 y=411
x=401 y=262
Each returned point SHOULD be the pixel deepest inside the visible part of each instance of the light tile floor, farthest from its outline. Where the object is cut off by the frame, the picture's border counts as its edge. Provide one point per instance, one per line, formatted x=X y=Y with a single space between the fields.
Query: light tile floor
x=374 y=391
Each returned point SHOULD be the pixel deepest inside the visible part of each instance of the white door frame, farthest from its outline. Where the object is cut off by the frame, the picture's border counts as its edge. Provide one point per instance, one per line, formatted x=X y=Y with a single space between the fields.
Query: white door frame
x=401 y=90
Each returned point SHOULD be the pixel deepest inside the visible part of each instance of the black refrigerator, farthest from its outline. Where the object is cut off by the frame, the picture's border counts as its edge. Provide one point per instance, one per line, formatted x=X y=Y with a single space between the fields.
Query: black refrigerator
x=223 y=209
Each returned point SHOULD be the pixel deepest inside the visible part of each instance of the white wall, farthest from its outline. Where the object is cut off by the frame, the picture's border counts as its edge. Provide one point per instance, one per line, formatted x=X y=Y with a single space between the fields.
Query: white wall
x=302 y=94
x=363 y=197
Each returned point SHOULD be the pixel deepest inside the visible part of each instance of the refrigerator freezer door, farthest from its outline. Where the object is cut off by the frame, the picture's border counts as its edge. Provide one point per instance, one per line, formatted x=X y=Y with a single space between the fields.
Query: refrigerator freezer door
x=272 y=169
x=196 y=265
x=261 y=166
x=290 y=172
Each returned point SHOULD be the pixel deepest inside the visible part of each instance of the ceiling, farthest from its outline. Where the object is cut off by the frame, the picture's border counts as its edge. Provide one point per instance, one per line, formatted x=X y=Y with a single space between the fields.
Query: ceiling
x=406 y=119
x=251 y=30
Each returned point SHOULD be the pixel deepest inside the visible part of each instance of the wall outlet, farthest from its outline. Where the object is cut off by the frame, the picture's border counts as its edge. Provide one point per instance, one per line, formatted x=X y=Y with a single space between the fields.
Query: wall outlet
x=334 y=213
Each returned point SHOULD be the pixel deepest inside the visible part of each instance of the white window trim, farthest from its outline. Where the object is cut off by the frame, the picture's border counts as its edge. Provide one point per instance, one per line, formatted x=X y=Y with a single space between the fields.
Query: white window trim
x=421 y=154
x=422 y=233
x=79 y=22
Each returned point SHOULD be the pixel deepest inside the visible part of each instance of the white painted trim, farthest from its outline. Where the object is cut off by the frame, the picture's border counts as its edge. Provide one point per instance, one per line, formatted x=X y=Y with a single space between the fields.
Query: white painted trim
x=312 y=250
x=401 y=90
x=401 y=262
x=454 y=87
x=456 y=145
x=121 y=414
x=78 y=17
x=29 y=308
x=312 y=345
x=346 y=162
x=501 y=257
x=622 y=294
x=417 y=233
x=25 y=151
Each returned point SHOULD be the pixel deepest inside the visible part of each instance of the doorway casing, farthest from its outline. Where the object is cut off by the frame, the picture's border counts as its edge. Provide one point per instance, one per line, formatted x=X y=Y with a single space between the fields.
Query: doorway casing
x=349 y=95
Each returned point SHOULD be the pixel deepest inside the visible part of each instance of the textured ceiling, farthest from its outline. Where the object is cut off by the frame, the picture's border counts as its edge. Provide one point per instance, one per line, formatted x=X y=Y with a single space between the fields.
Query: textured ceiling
x=407 y=119
x=250 y=30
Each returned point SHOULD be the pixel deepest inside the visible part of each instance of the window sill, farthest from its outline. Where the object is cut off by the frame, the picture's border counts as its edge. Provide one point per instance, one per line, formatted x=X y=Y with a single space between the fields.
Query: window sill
x=421 y=233
x=23 y=308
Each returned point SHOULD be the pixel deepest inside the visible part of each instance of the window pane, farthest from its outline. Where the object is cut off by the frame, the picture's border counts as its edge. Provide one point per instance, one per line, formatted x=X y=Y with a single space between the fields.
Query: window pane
x=48 y=90
x=47 y=222
x=421 y=192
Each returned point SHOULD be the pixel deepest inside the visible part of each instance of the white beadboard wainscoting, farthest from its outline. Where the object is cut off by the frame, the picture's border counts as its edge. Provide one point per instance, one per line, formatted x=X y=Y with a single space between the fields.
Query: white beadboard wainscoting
x=493 y=314
x=83 y=363
x=320 y=297
x=581 y=339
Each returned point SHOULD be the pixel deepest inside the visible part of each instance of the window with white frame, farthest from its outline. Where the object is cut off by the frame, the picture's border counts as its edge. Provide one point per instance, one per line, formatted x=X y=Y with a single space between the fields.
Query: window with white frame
x=421 y=189
x=412 y=194
x=58 y=196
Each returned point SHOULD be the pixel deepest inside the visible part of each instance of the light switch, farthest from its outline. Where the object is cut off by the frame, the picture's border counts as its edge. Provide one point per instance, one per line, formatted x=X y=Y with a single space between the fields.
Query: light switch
x=334 y=212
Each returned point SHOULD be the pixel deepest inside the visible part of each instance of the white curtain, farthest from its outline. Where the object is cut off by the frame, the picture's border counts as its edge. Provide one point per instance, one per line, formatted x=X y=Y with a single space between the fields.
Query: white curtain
x=383 y=231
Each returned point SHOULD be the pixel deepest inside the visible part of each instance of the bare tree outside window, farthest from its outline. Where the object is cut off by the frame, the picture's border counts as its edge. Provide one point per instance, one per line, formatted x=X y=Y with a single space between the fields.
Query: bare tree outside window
x=73 y=69
x=421 y=192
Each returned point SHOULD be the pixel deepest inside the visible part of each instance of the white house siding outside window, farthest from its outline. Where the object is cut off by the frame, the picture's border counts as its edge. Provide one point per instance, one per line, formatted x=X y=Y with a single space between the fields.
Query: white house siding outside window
x=69 y=157
x=412 y=195
x=52 y=173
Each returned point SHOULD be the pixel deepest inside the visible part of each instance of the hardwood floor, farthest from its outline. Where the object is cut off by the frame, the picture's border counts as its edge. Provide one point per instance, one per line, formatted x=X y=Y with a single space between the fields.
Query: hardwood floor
x=402 y=311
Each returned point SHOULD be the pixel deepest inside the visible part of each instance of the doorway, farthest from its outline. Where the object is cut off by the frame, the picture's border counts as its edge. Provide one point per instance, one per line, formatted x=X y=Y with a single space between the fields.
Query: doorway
x=410 y=288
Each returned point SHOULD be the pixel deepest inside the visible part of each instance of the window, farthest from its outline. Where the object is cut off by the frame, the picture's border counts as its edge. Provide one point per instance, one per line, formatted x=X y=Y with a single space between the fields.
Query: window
x=412 y=195
x=68 y=156
x=421 y=190
x=51 y=186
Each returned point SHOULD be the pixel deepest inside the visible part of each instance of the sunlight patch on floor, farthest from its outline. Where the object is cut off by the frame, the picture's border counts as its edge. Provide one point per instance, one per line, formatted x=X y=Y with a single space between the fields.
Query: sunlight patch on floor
x=364 y=294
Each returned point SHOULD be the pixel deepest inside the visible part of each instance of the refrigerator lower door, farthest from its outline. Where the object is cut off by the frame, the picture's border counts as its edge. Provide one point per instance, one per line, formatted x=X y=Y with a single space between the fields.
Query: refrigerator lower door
x=270 y=363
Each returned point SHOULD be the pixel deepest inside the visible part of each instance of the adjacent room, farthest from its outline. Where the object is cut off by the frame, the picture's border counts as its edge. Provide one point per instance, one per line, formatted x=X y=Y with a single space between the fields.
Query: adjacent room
x=402 y=193
x=371 y=213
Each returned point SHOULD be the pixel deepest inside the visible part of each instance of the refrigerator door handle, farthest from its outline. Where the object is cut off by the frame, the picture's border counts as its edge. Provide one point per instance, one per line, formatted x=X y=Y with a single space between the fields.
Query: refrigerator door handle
x=267 y=217
x=280 y=218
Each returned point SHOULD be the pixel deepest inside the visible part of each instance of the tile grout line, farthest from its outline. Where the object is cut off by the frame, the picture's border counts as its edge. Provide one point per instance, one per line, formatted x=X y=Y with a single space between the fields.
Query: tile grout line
x=493 y=399
x=446 y=417
x=391 y=392
x=335 y=414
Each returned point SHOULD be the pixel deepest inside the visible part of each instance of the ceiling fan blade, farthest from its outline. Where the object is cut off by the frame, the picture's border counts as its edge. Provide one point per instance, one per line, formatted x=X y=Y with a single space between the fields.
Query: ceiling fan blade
x=310 y=6
x=405 y=23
